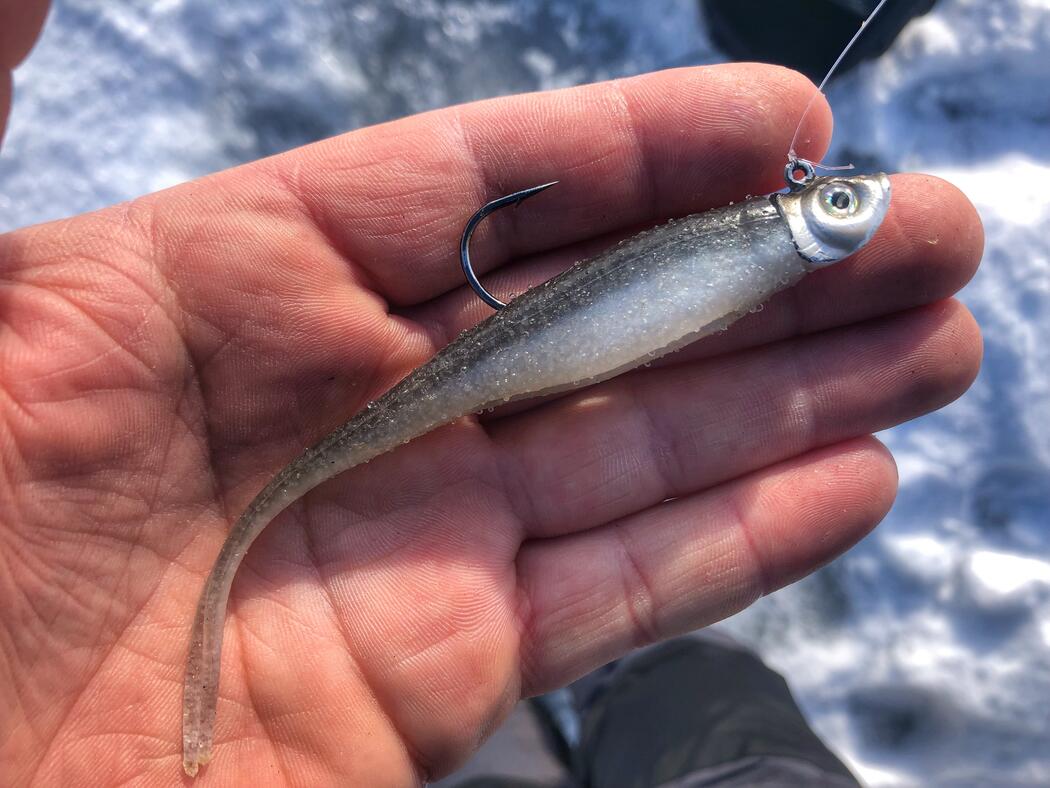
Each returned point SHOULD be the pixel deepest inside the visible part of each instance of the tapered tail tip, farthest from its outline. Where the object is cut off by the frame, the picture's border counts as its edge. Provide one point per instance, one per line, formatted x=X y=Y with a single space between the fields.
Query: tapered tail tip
x=193 y=760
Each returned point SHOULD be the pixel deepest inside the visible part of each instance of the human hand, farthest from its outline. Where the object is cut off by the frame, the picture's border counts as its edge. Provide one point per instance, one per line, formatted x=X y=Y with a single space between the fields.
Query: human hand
x=161 y=359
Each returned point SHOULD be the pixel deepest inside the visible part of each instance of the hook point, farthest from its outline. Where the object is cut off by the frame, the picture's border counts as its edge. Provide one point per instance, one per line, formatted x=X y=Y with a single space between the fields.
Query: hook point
x=524 y=194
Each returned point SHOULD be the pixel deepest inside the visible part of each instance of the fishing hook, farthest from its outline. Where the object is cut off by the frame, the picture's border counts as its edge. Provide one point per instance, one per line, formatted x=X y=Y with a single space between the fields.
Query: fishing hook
x=472 y=224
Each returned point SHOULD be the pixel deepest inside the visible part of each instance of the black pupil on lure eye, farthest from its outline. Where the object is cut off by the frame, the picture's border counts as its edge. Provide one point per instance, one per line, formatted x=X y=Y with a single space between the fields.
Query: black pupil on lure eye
x=840 y=200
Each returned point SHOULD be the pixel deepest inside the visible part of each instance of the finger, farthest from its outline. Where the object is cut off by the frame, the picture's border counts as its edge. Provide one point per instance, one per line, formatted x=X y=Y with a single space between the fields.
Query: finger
x=928 y=247
x=20 y=24
x=663 y=433
x=590 y=597
x=393 y=199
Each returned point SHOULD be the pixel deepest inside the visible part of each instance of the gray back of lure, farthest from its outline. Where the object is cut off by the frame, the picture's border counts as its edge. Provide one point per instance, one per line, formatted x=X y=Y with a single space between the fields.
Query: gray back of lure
x=646 y=297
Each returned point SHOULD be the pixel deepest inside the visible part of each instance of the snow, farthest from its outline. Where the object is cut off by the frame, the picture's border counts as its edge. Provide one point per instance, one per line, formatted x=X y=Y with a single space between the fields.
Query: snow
x=922 y=654
x=1003 y=582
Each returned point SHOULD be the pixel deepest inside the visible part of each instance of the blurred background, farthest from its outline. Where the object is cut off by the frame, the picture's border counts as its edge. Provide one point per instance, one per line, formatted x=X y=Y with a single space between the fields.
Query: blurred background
x=922 y=656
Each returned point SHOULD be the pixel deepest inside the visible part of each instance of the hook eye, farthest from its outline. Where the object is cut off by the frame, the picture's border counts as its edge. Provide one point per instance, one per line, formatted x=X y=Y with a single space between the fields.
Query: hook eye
x=795 y=181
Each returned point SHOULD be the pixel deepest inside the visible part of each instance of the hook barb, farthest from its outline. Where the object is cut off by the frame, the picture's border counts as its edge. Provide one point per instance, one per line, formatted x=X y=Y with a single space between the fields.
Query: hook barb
x=464 y=243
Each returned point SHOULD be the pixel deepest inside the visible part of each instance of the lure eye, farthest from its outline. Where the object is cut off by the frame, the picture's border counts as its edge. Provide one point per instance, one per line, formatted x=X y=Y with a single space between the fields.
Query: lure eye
x=839 y=199
x=834 y=217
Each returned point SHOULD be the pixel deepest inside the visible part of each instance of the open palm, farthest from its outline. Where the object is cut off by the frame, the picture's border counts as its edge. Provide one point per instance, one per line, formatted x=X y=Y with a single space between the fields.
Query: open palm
x=160 y=360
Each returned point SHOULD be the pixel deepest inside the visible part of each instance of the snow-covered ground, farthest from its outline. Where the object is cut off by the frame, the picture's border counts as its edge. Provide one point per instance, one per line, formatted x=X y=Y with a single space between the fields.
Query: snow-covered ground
x=923 y=654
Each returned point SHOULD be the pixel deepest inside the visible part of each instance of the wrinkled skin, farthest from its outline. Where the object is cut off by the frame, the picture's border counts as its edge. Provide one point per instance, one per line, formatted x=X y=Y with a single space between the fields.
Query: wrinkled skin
x=160 y=359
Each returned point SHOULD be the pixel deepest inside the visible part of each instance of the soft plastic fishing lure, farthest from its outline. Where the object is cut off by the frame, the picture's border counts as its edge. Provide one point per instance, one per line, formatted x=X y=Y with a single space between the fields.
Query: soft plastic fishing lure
x=646 y=297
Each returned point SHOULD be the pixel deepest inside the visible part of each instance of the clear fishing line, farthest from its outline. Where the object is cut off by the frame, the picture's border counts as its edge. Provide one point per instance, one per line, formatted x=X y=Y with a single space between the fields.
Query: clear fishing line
x=793 y=157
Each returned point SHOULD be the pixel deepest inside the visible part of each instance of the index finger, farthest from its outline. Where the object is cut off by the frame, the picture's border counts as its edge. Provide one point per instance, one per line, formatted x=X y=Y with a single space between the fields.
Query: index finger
x=393 y=198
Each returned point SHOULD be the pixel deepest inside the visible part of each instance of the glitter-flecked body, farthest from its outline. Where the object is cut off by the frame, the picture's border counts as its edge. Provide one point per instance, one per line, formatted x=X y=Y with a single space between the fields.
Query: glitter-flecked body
x=623 y=308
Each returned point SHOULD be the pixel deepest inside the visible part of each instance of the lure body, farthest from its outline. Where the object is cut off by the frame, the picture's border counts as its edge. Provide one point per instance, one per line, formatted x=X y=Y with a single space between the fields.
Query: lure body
x=648 y=296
